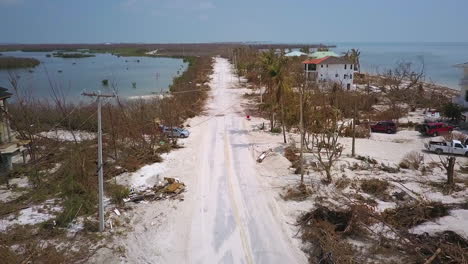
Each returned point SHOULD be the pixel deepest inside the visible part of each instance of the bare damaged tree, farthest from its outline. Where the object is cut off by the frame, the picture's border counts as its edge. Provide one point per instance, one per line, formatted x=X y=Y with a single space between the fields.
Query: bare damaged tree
x=328 y=149
x=449 y=165
x=402 y=84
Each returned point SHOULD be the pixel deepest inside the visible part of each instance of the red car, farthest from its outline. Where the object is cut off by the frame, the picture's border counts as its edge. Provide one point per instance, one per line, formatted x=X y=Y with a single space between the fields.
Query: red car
x=435 y=129
x=384 y=126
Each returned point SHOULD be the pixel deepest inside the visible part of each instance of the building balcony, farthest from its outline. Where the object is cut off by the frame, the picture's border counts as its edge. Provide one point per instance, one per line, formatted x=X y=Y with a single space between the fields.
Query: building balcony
x=312 y=75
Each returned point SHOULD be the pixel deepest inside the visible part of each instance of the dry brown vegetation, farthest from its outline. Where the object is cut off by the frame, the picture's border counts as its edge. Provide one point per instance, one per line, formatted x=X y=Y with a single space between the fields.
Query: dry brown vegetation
x=413 y=160
x=327 y=234
x=67 y=169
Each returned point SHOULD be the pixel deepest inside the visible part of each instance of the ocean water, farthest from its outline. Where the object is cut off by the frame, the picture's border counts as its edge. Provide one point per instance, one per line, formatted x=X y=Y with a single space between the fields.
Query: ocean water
x=72 y=76
x=438 y=58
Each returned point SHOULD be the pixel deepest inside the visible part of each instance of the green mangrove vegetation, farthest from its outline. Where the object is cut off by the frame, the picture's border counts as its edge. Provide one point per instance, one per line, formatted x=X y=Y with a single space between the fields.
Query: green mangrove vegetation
x=15 y=62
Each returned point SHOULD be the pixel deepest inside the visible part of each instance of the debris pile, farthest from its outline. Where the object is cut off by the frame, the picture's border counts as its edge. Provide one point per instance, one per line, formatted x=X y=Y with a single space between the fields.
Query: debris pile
x=169 y=188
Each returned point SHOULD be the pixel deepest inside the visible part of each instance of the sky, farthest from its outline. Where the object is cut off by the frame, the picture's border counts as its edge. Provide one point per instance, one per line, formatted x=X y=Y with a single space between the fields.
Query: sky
x=189 y=21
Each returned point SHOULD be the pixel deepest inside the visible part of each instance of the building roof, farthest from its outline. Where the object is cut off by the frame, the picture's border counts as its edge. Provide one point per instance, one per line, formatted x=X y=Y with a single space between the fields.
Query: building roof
x=463 y=65
x=322 y=54
x=329 y=60
x=295 y=54
x=4 y=93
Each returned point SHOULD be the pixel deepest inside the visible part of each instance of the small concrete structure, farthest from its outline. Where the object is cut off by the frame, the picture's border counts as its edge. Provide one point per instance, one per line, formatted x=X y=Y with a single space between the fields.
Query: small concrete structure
x=330 y=69
x=9 y=145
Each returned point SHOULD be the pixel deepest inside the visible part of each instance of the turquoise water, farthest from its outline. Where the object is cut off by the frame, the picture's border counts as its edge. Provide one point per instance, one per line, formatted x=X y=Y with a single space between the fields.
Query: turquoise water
x=72 y=76
x=438 y=58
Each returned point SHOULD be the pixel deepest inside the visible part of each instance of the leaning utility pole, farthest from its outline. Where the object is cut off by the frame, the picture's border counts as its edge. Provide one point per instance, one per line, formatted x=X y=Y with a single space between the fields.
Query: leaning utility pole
x=98 y=95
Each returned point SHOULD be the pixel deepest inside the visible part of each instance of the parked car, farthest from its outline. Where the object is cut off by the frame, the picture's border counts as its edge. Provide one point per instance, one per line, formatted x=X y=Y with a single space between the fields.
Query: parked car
x=175 y=132
x=384 y=127
x=451 y=147
x=434 y=129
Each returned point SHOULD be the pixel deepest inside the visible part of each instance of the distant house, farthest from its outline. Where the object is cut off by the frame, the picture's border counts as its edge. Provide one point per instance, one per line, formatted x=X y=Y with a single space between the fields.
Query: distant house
x=463 y=98
x=295 y=54
x=323 y=54
x=338 y=70
x=9 y=145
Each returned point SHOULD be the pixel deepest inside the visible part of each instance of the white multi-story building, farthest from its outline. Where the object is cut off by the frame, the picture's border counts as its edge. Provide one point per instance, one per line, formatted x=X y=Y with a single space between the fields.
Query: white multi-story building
x=463 y=98
x=331 y=69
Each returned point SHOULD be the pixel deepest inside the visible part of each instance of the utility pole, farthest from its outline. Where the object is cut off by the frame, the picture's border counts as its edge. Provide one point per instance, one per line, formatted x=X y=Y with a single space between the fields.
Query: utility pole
x=301 y=121
x=98 y=95
x=353 y=147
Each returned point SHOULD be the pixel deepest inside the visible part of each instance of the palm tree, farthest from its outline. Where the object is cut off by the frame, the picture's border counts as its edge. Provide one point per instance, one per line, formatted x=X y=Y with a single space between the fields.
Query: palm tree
x=354 y=55
x=275 y=71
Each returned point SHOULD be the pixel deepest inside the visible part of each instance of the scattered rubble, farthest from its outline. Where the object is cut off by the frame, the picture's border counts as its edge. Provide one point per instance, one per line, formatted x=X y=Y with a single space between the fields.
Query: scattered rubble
x=169 y=188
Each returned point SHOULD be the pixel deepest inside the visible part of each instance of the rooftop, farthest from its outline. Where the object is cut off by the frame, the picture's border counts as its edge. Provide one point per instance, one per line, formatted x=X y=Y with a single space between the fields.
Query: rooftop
x=322 y=54
x=295 y=54
x=329 y=60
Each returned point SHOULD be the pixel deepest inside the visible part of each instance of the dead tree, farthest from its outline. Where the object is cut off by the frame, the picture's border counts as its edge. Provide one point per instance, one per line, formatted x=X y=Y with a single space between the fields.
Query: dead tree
x=449 y=165
x=328 y=149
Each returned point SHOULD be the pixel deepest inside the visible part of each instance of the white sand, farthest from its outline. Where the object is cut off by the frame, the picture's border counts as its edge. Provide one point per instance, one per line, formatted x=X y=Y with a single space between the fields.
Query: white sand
x=230 y=213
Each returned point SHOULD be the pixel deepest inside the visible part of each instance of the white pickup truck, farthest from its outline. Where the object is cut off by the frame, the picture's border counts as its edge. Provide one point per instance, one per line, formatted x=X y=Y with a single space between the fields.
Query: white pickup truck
x=451 y=147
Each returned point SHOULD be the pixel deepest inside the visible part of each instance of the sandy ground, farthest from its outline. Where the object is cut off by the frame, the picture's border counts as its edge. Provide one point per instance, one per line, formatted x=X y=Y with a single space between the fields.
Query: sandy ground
x=231 y=213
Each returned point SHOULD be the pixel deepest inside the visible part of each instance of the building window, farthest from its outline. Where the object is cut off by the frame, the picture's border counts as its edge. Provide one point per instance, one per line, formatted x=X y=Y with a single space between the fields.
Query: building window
x=345 y=76
x=336 y=75
x=321 y=65
x=351 y=76
x=351 y=66
x=345 y=66
x=327 y=65
x=348 y=86
x=312 y=67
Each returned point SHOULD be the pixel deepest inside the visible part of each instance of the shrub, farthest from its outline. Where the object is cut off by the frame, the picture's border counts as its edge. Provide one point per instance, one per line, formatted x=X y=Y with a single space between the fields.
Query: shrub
x=374 y=186
x=361 y=131
x=342 y=183
x=290 y=154
x=276 y=130
x=452 y=111
x=298 y=193
x=412 y=160
x=410 y=215
x=118 y=193
x=389 y=169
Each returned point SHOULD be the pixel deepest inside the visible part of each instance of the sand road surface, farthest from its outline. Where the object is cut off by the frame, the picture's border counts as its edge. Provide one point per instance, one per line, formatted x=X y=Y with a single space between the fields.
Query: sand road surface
x=229 y=214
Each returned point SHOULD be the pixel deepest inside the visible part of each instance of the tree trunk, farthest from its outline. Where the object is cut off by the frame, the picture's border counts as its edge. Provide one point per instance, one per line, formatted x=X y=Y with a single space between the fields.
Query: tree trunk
x=329 y=177
x=450 y=170
x=282 y=122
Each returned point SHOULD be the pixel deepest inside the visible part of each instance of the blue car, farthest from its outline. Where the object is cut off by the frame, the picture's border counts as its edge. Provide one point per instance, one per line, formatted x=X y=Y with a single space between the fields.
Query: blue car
x=175 y=132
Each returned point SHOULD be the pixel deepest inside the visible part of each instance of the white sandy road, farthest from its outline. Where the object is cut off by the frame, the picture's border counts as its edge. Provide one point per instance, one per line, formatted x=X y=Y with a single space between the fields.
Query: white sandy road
x=229 y=214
